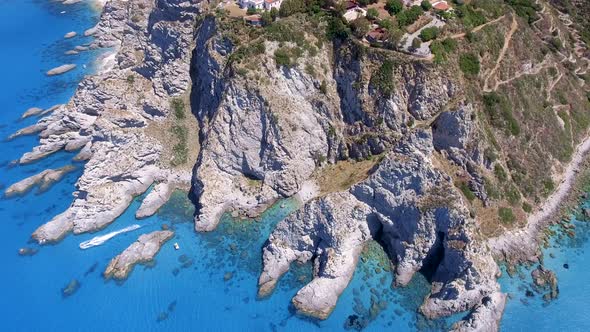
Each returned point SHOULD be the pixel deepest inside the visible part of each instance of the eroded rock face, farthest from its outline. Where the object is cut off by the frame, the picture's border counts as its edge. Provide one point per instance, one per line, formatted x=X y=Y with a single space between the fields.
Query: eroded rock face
x=259 y=143
x=334 y=229
x=109 y=118
x=409 y=207
x=139 y=252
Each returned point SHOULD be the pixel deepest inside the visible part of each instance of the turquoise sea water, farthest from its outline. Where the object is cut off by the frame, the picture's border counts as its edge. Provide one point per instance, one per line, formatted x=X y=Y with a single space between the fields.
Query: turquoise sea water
x=208 y=285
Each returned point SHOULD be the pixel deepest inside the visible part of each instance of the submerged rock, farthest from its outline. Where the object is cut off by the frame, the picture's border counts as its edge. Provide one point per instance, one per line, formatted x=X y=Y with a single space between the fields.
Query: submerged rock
x=61 y=69
x=70 y=288
x=25 y=251
x=31 y=111
x=140 y=252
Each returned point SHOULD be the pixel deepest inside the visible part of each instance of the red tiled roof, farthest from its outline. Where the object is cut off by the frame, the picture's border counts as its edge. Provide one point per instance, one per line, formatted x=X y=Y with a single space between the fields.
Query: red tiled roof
x=441 y=5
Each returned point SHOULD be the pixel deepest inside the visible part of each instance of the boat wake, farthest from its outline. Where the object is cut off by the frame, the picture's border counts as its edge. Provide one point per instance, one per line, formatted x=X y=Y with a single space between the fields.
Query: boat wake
x=98 y=240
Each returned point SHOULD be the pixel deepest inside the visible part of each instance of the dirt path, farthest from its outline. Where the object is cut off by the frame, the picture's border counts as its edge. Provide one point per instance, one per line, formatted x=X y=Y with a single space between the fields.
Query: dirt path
x=507 y=39
x=523 y=243
x=477 y=28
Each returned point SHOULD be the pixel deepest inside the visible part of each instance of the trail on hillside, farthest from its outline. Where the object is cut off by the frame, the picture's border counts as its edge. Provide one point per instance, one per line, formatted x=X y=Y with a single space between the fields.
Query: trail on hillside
x=507 y=39
x=477 y=28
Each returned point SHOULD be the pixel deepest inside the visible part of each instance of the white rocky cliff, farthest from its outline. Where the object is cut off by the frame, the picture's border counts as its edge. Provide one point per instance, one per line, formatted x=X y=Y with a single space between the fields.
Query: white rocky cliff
x=118 y=119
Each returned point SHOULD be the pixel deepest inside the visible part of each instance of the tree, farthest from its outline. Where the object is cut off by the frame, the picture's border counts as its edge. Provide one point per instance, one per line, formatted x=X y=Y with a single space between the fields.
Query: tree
x=386 y=24
x=372 y=13
x=428 y=34
x=337 y=29
x=407 y=17
x=290 y=7
x=251 y=11
x=426 y=5
x=394 y=6
x=266 y=18
x=469 y=64
x=360 y=27
x=274 y=13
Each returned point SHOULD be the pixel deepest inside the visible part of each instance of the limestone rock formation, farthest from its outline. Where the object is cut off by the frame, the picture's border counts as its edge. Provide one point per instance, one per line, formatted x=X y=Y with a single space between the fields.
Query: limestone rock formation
x=408 y=206
x=139 y=252
x=118 y=123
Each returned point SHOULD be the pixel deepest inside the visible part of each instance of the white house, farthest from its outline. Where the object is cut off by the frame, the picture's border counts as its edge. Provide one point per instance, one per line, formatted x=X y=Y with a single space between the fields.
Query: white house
x=261 y=4
x=255 y=4
x=270 y=4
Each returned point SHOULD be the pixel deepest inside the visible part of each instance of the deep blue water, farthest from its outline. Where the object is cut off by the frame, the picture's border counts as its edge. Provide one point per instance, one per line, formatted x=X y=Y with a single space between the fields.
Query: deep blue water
x=210 y=284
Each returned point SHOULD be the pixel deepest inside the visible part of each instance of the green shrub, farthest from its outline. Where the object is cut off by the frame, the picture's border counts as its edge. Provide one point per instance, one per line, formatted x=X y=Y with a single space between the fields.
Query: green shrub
x=449 y=44
x=512 y=195
x=382 y=79
x=360 y=27
x=409 y=16
x=180 y=149
x=500 y=173
x=469 y=64
x=464 y=187
x=130 y=79
x=394 y=6
x=290 y=7
x=426 y=5
x=324 y=87
x=527 y=207
x=178 y=107
x=337 y=29
x=502 y=118
x=428 y=34
x=506 y=215
x=282 y=57
x=372 y=13
x=416 y=43
x=469 y=16
x=525 y=8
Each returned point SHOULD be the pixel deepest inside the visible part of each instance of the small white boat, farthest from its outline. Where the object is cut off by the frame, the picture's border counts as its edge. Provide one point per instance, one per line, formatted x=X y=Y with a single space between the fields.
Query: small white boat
x=176 y=246
x=98 y=240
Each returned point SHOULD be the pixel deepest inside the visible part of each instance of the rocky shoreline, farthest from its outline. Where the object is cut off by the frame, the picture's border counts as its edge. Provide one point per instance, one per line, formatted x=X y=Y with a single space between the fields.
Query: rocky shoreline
x=523 y=245
x=119 y=125
x=254 y=141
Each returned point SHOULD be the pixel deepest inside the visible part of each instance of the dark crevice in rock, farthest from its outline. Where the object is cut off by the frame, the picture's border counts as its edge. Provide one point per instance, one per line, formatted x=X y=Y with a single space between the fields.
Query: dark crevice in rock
x=433 y=258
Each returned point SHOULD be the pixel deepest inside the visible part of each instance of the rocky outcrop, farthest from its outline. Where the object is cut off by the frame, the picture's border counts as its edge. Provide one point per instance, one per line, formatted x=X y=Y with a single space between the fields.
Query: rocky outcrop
x=486 y=317
x=140 y=252
x=109 y=118
x=333 y=230
x=259 y=143
x=409 y=207
x=43 y=180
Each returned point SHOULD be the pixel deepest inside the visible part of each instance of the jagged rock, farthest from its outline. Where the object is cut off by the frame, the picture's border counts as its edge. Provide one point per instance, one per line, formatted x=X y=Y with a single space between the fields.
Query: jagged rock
x=44 y=180
x=156 y=198
x=421 y=223
x=105 y=121
x=486 y=317
x=140 y=252
x=248 y=159
x=334 y=229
